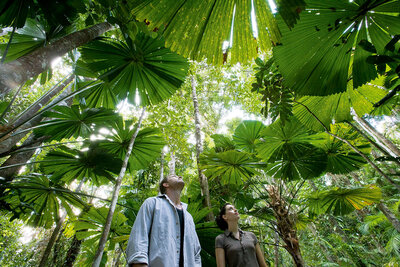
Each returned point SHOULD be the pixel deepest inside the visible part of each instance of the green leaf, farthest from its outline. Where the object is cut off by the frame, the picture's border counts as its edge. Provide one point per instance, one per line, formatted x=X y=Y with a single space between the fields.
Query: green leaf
x=73 y=121
x=143 y=67
x=246 y=135
x=290 y=10
x=198 y=29
x=337 y=107
x=95 y=164
x=222 y=143
x=147 y=146
x=230 y=166
x=14 y=12
x=341 y=201
x=37 y=199
x=316 y=57
x=341 y=158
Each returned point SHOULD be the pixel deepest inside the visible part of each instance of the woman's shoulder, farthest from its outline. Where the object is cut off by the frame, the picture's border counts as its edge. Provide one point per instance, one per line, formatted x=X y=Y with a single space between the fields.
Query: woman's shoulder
x=220 y=236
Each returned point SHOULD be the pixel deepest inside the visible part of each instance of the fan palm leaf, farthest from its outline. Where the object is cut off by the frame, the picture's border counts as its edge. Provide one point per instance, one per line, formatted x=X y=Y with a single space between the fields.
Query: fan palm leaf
x=337 y=107
x=230 y=166
x=73 y=121
x=39 y=200
x=143 y=68
x=147 y=146
x=341 y=201
x=246 y=135
x=96 y=164
x=198 y=29
x=325 y=46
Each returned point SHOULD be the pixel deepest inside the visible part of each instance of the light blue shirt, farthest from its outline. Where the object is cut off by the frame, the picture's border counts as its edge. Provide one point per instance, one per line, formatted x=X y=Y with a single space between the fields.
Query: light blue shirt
x=162 y=250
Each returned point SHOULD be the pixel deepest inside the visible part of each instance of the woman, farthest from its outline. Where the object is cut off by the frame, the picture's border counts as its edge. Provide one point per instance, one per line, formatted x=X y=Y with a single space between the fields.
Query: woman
x=235 y=247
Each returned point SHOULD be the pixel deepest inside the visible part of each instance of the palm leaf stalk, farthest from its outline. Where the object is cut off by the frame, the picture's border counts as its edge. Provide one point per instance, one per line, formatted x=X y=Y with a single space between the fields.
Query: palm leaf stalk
x=352 y=147
x=27 y=119
x=19 y=71
x=106 y=230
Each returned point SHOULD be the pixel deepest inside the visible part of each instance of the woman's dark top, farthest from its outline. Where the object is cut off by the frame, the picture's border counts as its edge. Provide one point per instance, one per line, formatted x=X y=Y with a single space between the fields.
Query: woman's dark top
x=238 y=253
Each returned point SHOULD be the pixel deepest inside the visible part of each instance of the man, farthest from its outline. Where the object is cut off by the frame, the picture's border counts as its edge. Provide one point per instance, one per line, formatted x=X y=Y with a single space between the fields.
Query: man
x=164 y=234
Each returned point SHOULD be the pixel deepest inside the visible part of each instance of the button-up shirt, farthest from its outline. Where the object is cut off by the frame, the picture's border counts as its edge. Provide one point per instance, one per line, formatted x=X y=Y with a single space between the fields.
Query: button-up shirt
x=238 y=252
x=155 y=236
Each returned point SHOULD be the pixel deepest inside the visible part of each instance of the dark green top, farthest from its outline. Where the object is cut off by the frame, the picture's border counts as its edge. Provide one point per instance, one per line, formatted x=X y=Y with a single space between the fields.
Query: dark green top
x=238 y=252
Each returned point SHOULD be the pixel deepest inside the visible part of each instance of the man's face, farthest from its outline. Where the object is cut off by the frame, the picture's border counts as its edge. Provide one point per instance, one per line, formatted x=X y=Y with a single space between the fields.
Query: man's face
x=175 y=182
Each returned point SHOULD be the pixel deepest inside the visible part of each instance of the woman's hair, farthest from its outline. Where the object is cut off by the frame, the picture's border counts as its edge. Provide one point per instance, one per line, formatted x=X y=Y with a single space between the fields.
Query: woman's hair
x=222 y=224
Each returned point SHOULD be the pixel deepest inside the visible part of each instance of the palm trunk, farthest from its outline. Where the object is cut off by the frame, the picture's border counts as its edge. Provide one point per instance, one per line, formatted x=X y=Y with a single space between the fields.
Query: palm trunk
x=31 y=141
x=11 y=141
x=366 y=125
x=56 y=232
x=286 y=225
x=375 y=144
x=73 y=252
x=276 y=248
x=107 y=226
x=17 y=72
x=205 y=192
x=390 y=216
x=52 y=240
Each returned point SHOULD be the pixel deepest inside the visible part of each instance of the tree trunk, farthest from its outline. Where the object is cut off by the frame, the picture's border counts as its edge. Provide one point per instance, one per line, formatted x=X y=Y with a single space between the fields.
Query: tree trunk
x=31 y=141
x=276 y=249
x=56 y=232
x=366 y=125
x=73 y=252
x=205 y=192
x=390 y=216
x=286 y=225
x=172 y=164
x=107 y=226
x=17 y=72
x=11 y=141
x=53 y=237
x=375 y=144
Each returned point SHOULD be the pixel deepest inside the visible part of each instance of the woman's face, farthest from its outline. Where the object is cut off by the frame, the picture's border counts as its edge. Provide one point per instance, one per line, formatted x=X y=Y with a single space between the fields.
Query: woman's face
x=231 y=213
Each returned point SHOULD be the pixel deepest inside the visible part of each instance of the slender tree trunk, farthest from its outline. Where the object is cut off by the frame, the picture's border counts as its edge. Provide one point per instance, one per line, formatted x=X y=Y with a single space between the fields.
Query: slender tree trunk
x=10 y=141
x=205 y=192
x=116 y=258
x=53 y=237
x=171 y=164
x=56 y=232
x=390 y=216
x=366 y=125
x=107 y=226
x=375 y=144
x=286 y=225
x=162 y=166
x=276 y=249
x=17 y=72
x=72 y=252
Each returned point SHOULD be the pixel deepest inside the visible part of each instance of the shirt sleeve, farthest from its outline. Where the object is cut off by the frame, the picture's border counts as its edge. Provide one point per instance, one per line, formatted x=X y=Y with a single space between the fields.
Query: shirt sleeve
x=197 y=257
x=254 y=238
x=219 y=241
x=137 y=249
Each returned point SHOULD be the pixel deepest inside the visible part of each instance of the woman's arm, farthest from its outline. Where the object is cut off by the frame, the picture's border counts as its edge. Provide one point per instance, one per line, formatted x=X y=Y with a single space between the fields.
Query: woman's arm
x=220 y=256
x=260 y=256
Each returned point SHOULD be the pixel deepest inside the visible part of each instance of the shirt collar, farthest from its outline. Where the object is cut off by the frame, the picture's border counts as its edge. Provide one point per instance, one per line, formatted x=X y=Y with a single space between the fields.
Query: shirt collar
x=184 y=205
x=228 y=233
